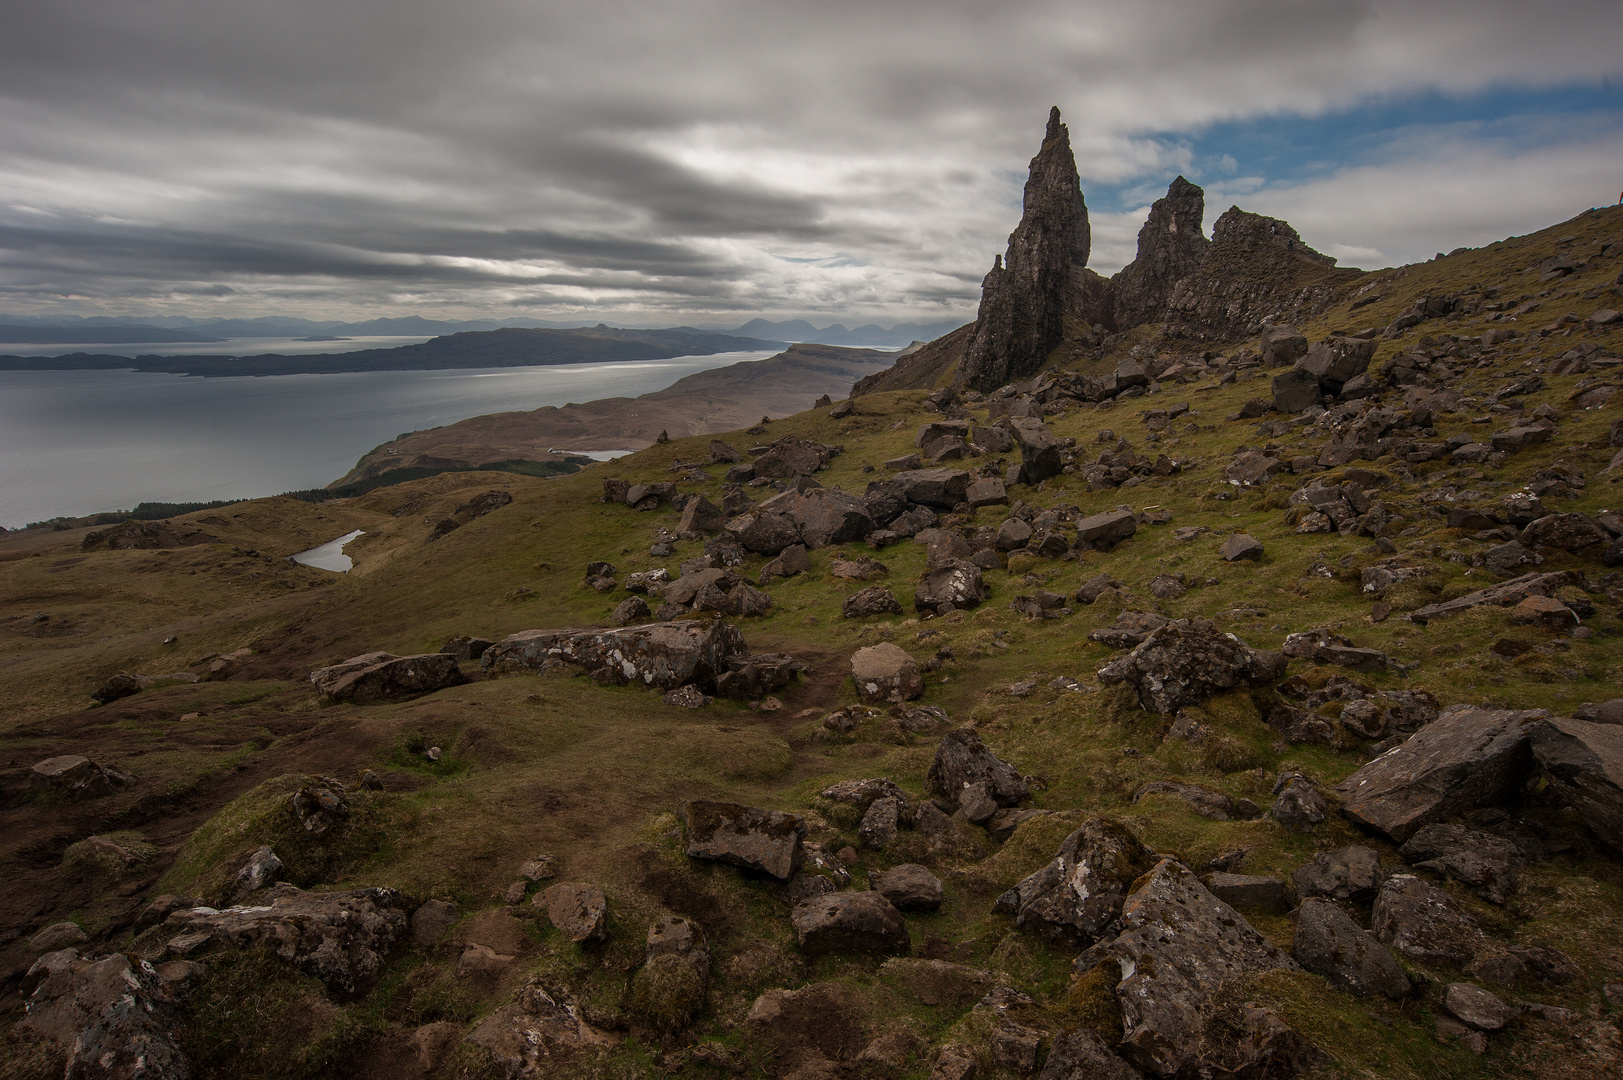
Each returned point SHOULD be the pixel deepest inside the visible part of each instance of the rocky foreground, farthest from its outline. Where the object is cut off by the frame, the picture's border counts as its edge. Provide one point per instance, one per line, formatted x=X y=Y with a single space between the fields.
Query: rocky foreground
x=1227 y=687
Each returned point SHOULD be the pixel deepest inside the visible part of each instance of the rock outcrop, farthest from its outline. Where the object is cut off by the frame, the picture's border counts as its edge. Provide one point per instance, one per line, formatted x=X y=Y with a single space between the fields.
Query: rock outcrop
x=382 y=676
x=1584 y=762
x=1186 y=662
x=661 y=655
x=1024 y=297
x=111 y=1017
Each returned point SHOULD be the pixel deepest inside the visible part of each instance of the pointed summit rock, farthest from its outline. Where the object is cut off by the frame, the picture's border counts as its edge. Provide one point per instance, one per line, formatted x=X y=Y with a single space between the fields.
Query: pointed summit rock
x=1170 y=248
x=1024 y=298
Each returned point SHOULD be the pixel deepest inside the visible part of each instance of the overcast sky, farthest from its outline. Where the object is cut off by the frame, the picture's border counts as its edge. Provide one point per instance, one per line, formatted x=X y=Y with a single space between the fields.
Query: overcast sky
x=707 y=161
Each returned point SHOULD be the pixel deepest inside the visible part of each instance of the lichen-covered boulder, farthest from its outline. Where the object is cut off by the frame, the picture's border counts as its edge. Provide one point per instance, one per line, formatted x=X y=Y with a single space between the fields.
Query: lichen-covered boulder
x=112 y=1017
x=382 y=676
x=579 y=911
x=884 y=673
x=1078 y=896
x=1424 y=924
x=956 y=582
x=661 y=655
x=529 y=1035
x=1186 y=662
x=77 y=777
x=769 y=841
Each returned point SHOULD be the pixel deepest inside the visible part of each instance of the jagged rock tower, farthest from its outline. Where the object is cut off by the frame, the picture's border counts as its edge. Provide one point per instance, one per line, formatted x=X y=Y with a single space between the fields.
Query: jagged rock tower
x=1024 y=298
x=1170 y=248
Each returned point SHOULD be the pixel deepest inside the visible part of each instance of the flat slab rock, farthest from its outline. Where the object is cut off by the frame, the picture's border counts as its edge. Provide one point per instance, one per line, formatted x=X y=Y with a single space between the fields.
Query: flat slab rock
x=1467 y=758
x=382 y=676
x=341 y=938
x=1179 y=948
x=662 y=655
x=1504 y=594
x=768 y=841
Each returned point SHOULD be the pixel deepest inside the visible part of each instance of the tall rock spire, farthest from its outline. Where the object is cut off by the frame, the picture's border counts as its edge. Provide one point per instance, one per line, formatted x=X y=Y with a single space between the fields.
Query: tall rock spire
x=1023 y=298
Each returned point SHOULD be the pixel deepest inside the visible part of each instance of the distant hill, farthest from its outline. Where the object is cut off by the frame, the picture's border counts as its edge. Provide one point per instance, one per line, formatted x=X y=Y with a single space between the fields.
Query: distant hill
x=869 y=336
x=473 y=349
x=99 y=335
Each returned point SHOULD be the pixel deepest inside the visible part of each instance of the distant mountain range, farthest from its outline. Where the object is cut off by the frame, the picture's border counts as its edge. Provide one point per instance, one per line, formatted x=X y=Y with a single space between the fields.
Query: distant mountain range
x=509 y=347
x=71 y=330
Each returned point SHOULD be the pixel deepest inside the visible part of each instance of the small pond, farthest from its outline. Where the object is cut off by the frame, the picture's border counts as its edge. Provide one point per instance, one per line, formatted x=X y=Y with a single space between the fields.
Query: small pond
x=329 y=556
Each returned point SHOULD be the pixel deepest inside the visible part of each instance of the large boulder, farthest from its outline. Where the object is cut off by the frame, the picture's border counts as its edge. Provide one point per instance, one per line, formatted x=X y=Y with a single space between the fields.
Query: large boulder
x=1106 y=529
x=1295 y=391
x=113 y=1018
x=1425 y=924
x=1180 y=951
x=1082 y=1055
x=1584 y=762
x=962 y=760
x=1349 y=873
x=1281 y=345
x=1040 y=455
x=909 y=886
x=850 y=922
x=823 y=517
x=1504 y=594
x=885 y=674
x=768 y=841
x=1337 y=360
x=1023 y=304
x=660 y=655
x=942 y=488
x=579 y=911
x=764 y=532
x=528 y=1036
x=790 y=458
x=1483 y=862
x=874 y=600
x=1187 y=661
x=1467 y=758
x=1077 y=898
x=341 y=938
x=957 y=582
x=1329 y=943
x=700 y=515
x=382 y=676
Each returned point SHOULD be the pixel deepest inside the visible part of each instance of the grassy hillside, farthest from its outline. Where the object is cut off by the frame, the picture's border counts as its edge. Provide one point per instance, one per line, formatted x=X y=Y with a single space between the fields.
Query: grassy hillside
x=594 y=776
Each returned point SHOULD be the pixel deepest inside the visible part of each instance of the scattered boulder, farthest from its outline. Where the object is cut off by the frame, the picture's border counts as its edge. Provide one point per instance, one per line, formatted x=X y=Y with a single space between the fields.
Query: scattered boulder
x=259 y=871
x=663 y=655
x=580 y=912
x=1186 y=662
x=1467 y=758
x=764 y=532
x=909 y=887
x=1179 y=950
x=1329 y=943
x=1129 y=630
x=850 y=922
x=962 y=759
x=629 y=611
x=957 y=583
x=880 y=822
x=1040 y=455
x=1544 y=611
x=1425 y=924
x=76 y=777
x=1349 y=873
x=1328 y=647
x=1477 y=1008
x=885 y=673
x=768 y=841
x=529 y=1035
x=121 y=685
x=1107 y=529
x=700 y=516
x=942 y=488
x=430 y=922
x=1241 y=546
x=111 y=1017
x=381 y=676
x=874 y=600
x=1281 y=345
x=1502 y=595
x=791 y=560
x=1205 y=802
x=670 y=987
x=1295 y=391
x=58 y=936
x=340 y=938
x=1077 y=898
x=1483 y=862
x=792 y=457
x=1260 y=891
x=1583 y=761
x=1080 y=1055
x=465 y=648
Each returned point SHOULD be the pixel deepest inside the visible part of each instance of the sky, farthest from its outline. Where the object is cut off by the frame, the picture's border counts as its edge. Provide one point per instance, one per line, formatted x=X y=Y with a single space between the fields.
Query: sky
x=709 y=161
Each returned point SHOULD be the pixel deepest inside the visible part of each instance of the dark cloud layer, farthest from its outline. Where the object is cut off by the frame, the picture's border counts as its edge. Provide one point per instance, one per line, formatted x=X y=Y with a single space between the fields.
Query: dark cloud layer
x=709 y=159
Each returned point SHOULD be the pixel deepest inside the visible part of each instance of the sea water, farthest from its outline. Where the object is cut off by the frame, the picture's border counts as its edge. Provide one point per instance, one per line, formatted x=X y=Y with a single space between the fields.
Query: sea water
x=81 y=442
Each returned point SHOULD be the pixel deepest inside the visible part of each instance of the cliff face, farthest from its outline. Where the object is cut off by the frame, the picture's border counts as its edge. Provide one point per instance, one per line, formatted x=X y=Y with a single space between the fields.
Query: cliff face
x=1170 y=248
x=1026 y=295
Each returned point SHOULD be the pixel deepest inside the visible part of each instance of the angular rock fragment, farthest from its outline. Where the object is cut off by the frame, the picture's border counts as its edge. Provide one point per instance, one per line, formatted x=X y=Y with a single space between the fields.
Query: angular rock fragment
x=1105 y=530
x=1349 y=873
x=1477 y=1008
x=962 y=759
x=1241 y=546
x=884 y=673
x=1424 y=924
x=909 y=887
x=528 y=1036
x=1502 y=595
x=1483 y=862
x=850 y=922
x=957 y=583
x=579 y=911
x=874 y=600
x=1584 y=762
x=112 y=1017
x=1329 y=943
x=77 y=777
x=1260 y=891
x=765 y=840
x=1082 y=1055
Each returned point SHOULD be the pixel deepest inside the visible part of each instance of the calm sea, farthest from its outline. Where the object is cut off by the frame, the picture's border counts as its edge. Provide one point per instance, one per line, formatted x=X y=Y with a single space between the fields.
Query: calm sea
x=80 y=442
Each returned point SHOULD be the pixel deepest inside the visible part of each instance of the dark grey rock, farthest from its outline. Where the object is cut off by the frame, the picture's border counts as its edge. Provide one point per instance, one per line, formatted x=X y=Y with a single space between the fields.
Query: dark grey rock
x=769 y=841
x=850 y=922
x=382 y=676
x=1584 y=762
x=1349 y=873
x=962 y=759
x=1424 y=924
x=1483 y=862
x=1077 y=898
x=1186 y=662
x=662 y=655
x=1329 y=943
x=909 y=887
